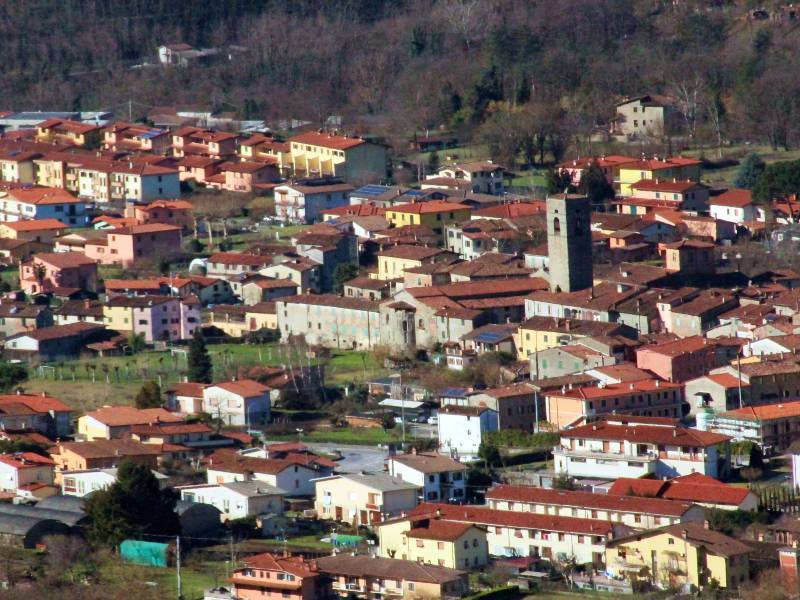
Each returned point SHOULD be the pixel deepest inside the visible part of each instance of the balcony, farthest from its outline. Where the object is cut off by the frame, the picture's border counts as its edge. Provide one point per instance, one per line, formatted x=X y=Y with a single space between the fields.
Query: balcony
x=586 y=453
x=350 y=588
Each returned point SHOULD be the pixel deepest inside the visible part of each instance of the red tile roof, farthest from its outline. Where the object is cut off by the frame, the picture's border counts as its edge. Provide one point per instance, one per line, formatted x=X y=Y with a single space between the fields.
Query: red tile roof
x=440 y=530
x=431 y=206
x=734 y=197
x=246 y=388
x=608 y=502
x=238 y=258
x=295 y=565
x=327 y=140
x=26 y=460
x=766 y=412
x=64 y=260
x=518 y=520
x=121 y=416
x=667 y=436
x=34 y=225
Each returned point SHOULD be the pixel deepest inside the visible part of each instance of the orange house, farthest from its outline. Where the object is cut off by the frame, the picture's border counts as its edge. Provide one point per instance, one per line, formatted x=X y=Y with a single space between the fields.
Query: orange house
x=127 y=245
x=102 y=454
x=170 y=212
x=52 y=271
x=269 y=576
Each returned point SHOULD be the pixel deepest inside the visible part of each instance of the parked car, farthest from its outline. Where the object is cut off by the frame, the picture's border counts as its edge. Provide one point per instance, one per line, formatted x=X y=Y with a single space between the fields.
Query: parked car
x=434 y=420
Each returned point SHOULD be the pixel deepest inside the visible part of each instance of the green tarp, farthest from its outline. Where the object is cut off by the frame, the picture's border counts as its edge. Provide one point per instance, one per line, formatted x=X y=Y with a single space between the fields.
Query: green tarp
x=152 y=554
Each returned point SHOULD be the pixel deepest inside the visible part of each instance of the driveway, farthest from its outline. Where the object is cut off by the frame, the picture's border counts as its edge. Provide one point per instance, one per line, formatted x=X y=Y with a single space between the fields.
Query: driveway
x=354 y=458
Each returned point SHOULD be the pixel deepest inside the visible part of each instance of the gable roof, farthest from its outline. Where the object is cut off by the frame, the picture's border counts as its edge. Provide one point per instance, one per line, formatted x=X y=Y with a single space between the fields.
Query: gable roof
x=247 y=388
x=387 y=568
x=34 y=225
x=429 y=462
x=654 y=434
x=696 y=534
x=121 y=416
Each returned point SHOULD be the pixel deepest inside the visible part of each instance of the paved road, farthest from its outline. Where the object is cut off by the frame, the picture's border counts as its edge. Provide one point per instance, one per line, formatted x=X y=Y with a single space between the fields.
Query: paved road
x=354 y=458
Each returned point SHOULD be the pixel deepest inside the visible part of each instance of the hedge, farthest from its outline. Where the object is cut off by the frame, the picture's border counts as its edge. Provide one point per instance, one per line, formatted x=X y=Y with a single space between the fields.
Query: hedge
x=509 y=592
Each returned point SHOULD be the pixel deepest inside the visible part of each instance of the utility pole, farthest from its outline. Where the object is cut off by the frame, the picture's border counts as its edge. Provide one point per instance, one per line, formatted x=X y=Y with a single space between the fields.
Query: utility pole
x=739 y=373
x=178 y=566
x=130 y=110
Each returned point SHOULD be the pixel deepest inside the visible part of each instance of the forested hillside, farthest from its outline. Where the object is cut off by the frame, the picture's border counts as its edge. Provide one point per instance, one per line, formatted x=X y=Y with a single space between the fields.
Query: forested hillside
x=479 y=67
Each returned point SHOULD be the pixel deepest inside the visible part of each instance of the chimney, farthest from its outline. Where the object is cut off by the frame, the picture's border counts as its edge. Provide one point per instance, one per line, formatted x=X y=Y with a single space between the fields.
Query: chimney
x=706 y=524
x=684 y=534
x=674 y=433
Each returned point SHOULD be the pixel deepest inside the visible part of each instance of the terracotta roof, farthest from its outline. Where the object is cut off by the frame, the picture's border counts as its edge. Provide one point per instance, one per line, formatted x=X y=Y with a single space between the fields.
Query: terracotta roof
x=664 y=185
x=628 y=486
x=110 y=448
x=43 y=195
x=734 y=197
x=509 y=391
x=188 y=389
x=26 y=460
x=145 y=228
x=64 y=260
x=680 y=347
x=440 y=530
x=327 y=140
x=235 y=463
x=247 y=388
x=430 y=206
x=59 y=331
x=315 y=189
x=727 y=380
x=765 y=412
x=518 y=520
x=609 y=502
x=238 y=258
x=331 y=300
x=668 y=436
x=695 y=533
x=467 y=411
x=408 y=252
x=295 y=565
x=34 y=225
x=429 y=462
x=170 y=429
x=121 y=416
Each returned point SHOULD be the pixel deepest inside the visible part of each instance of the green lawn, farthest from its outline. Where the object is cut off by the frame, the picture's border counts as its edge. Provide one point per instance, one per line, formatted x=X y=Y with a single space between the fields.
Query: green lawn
x=195 y=579
x=369 y=436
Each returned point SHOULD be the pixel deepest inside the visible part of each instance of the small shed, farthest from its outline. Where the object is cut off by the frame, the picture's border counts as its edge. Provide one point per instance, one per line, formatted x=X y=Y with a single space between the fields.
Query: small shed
x=70 y=519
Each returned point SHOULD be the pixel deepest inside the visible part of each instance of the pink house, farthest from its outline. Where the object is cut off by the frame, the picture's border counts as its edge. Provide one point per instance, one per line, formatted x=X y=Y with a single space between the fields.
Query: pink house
x=170 y=212
x=127 y=245
x=157 y=318
x=246 y=176
x=54 y=271
x=679 y=360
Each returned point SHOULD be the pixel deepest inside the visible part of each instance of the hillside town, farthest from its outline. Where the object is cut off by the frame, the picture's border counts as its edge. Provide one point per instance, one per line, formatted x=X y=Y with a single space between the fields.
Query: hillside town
x=251 y=357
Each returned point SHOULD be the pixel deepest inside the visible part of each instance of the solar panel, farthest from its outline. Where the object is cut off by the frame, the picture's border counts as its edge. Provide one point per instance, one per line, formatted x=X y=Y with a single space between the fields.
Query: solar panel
x=416 y=193
x=490 y=336
x=372 y=189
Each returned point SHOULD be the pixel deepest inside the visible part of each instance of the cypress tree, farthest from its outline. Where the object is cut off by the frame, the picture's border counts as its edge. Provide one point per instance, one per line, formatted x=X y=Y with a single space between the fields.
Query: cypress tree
x=200 y=367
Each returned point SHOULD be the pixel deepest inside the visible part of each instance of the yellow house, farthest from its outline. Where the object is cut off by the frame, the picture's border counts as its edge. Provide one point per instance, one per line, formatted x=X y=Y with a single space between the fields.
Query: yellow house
x=435 y=214
x=392 y=263
x=541 y=333
x=670 y=168
x=363 y=498
x=17 y=167
x=68 y=132
x=262 y=148
x=321 y=154
x=261 y=316
x=680 y=554
x=434 y=542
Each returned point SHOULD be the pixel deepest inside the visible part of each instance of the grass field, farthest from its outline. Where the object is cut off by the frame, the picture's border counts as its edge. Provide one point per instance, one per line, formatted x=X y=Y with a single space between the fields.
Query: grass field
x=86 y=384
x=727 y=175
x=368 y=436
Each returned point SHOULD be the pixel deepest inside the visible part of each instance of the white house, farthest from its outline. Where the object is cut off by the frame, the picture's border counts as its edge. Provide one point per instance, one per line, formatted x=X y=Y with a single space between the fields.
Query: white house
x=462 y=428
x=239 y=402
x=237 y=499
x=623 y=447
x=83 y=483
x=36 y=203
x=23 y=469
x=365 y=498
x=735 y=206
x=781 y=344
x=440 y=477
x=287 y=474
x=305 y=203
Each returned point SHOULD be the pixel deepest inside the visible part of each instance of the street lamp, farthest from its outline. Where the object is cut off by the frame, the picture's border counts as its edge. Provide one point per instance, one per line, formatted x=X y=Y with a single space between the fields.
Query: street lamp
x=299 y=431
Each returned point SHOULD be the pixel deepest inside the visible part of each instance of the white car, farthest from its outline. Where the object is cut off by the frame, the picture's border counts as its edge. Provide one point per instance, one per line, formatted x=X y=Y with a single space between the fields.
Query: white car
x=434 y=420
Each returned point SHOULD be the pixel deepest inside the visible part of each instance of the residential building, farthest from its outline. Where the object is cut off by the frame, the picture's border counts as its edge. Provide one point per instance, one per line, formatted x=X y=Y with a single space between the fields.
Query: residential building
x=38 y=230
x=294 y=475
x=70 y=133
x=126 y=245
x=764 y=382
x=693 y=488
x=36 y=413
x=716 y=391
x=102 y=454
x=366 y=578
x=329 y=320
x=439 y=477
x=540 y=333
x=265 y=148
x=238 y=402
x=366 y=287
x=16 y=166
x=608 y=164
x=196 y=141
x=687 y=554
x=363 y=498
x=244 y=176
x=228 y=264
x=635 y=512
x=695 y=313
x=689 y=257
x=643 y=117
x=666 y=169
x=392 y=263
x=168 y=212
x=643 y=398
x=38 y=203
x=434 y=541
x=21 y=472
x=484 y=177
x=474 y=238
x=324 y=154
x=136 y=137
x=515 y=404
x=56 y=271
x=48 y=344
x=679 y=360
x=19 y=317
x=269 y=576
x=649 y=195
x=735 y=206
x=462 y=429
x=773 y=427
x=304 y=272
x=436 y=214
x=566 y=360
x=306 y=202
x=115 y=422
x=267 y=289
x=237 y=499
x=551 y=537
x=78 y=311
x=156 y=318
x=85 y=482
x=619 y=447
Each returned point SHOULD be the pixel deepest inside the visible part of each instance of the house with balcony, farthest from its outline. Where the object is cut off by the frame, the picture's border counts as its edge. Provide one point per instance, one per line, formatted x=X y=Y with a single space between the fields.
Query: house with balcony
x=627 y=447
x=37 y=203
x=67 y=132
x=244 y=176
x=156 y=318
x=662 y=169
x=634 y=511
x=42 y=231
x=294 y=475
x=363 y=498
x=307 y=200
x=648 y=195
x=330 y=154
x=484 y=177
x=361 y=577
x=434 y=541
x=237 y=499
x=126 y=245
x=773 y=427
x=135 y=137
x=263 y=148
x=439 y=477
x=196 y=141
x=271 y=576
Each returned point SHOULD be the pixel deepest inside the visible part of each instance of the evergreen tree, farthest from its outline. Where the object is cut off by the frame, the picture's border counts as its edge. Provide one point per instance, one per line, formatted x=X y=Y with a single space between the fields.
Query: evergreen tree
x=11 y=374
x=200 y=367
x=749 y=171
x=149 y=396
x=558 y=182
x=595 y=185
x=433 y=162
x=133 y=505
x=343 y=272
x=756 y=457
